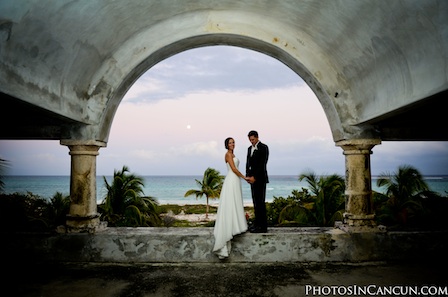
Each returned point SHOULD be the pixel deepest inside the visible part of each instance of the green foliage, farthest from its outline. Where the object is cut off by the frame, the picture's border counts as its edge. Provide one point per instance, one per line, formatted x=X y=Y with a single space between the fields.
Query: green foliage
x=186 y=209
x=125 y=204
x=59 y=208
x=210 y=186
x=329 y=197
x=31 y=213
x=403 y=185
x=295 y=215
x=284 y=211
x=322 y=205
x=435 y=210
x=408 y=202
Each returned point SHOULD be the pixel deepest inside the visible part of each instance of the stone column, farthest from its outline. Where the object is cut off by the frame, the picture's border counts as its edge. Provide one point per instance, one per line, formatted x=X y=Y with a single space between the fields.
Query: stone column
x=359 y=214
x=83 y=215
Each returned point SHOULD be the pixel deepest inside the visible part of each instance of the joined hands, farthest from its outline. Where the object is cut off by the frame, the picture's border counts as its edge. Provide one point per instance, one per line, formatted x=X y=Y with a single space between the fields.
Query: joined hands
x=250 y=179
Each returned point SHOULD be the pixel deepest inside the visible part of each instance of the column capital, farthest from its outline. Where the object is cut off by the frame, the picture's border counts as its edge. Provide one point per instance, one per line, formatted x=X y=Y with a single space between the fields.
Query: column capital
x=357 y=146
x=72 y=142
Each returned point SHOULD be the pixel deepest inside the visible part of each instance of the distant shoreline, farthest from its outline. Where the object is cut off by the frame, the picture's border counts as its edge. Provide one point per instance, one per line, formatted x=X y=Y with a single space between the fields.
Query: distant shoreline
x=171 y=189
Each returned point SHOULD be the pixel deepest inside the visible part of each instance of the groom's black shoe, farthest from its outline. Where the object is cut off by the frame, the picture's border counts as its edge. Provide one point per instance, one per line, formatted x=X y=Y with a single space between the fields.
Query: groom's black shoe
x=258 y=230
x=252 y=228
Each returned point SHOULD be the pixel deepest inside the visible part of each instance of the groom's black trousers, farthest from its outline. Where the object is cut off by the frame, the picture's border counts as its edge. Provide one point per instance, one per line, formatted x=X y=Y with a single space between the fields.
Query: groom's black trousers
x=258 y=190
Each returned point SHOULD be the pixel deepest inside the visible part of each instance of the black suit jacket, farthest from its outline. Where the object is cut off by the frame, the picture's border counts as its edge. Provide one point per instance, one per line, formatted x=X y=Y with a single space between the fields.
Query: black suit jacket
x=256 y=165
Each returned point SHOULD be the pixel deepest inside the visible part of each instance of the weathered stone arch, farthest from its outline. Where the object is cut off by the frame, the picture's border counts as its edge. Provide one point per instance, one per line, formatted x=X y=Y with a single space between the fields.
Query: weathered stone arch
x=258 y=33
x=231 y=40
x=375 y=67
x=369 y=63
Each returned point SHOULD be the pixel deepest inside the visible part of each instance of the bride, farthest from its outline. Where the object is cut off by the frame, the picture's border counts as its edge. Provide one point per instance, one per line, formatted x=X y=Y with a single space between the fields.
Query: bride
x=230 y=219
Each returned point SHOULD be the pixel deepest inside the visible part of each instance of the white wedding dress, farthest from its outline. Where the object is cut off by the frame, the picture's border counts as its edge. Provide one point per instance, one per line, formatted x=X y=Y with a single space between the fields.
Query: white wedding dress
x=230 y=219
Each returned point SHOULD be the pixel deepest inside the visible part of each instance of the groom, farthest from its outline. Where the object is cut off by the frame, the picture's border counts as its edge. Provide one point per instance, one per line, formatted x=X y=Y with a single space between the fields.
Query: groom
x=257 y=174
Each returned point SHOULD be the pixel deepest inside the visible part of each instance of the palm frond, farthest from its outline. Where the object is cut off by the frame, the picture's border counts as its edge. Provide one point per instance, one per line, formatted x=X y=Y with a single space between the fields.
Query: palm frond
x=125 y=203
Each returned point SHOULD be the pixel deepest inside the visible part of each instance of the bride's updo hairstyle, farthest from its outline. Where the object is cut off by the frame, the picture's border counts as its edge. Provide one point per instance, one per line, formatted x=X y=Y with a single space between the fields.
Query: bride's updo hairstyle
x=226 y=142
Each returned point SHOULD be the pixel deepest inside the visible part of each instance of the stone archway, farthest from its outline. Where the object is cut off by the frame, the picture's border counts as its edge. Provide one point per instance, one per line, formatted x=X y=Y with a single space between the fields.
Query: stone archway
x=364 y=198
x=73 y=62
x=278 y=48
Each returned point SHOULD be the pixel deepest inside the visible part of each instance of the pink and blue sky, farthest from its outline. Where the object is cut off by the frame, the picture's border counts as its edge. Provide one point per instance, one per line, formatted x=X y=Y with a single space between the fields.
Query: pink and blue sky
x=174 y=119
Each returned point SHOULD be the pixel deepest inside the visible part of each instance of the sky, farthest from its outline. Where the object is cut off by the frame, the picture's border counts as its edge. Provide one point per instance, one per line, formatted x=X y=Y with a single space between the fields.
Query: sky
x=176 y=116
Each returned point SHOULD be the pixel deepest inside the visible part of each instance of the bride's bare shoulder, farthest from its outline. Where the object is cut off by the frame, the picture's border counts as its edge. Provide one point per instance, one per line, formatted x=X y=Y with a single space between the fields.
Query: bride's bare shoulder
x=229 y=156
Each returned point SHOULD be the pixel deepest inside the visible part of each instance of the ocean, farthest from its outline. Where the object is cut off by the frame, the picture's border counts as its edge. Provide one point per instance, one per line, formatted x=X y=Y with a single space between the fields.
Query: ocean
x=171 y=189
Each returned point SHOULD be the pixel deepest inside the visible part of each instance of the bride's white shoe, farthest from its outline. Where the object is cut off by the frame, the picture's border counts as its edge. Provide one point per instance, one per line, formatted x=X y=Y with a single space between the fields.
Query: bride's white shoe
x=224 y=252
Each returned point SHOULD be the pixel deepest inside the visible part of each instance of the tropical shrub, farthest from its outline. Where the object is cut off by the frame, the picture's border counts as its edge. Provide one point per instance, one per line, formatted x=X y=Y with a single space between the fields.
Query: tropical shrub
x=125 y=204
x=321 y=205
x=407 y=201
x=329 y=197
x=32 y=213
x=293 y=210
x=59 y=207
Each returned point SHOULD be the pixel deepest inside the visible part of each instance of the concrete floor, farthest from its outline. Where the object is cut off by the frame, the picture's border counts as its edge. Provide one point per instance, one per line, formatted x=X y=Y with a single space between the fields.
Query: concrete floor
x=213 y=279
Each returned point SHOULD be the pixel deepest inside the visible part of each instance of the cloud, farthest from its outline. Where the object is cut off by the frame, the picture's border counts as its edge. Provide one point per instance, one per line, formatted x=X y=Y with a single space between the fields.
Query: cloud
x=35 y=157
x=142 y=91
x=216 y=68
x=429 y=157
x=200 y=149
x=187 y=150
x=143 y=154
x=317 y=154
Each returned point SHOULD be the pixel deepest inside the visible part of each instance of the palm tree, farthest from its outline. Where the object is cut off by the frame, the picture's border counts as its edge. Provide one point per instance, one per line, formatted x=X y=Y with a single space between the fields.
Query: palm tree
x=404 y=189
x=59 y=207
x=125 y=204
x=210 y=186
x=329 y=196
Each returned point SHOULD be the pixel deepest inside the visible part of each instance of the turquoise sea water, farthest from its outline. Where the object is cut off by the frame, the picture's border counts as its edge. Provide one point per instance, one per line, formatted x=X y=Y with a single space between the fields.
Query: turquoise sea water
x=171 y=189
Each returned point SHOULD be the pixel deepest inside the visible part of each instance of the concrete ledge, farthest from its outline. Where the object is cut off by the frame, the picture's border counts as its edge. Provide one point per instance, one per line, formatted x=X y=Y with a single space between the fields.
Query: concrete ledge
x=194 y=245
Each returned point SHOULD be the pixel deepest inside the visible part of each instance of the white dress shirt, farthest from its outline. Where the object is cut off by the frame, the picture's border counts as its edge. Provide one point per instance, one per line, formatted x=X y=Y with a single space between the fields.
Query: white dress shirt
x=253 y=148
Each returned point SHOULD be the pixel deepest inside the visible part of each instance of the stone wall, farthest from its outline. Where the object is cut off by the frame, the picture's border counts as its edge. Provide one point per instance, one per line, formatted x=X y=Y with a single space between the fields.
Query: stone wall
x=194 y=245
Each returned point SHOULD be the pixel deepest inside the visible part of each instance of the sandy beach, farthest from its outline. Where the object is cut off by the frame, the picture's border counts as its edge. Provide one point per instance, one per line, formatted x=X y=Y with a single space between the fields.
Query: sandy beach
x=199 y=217
x=195 y=217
